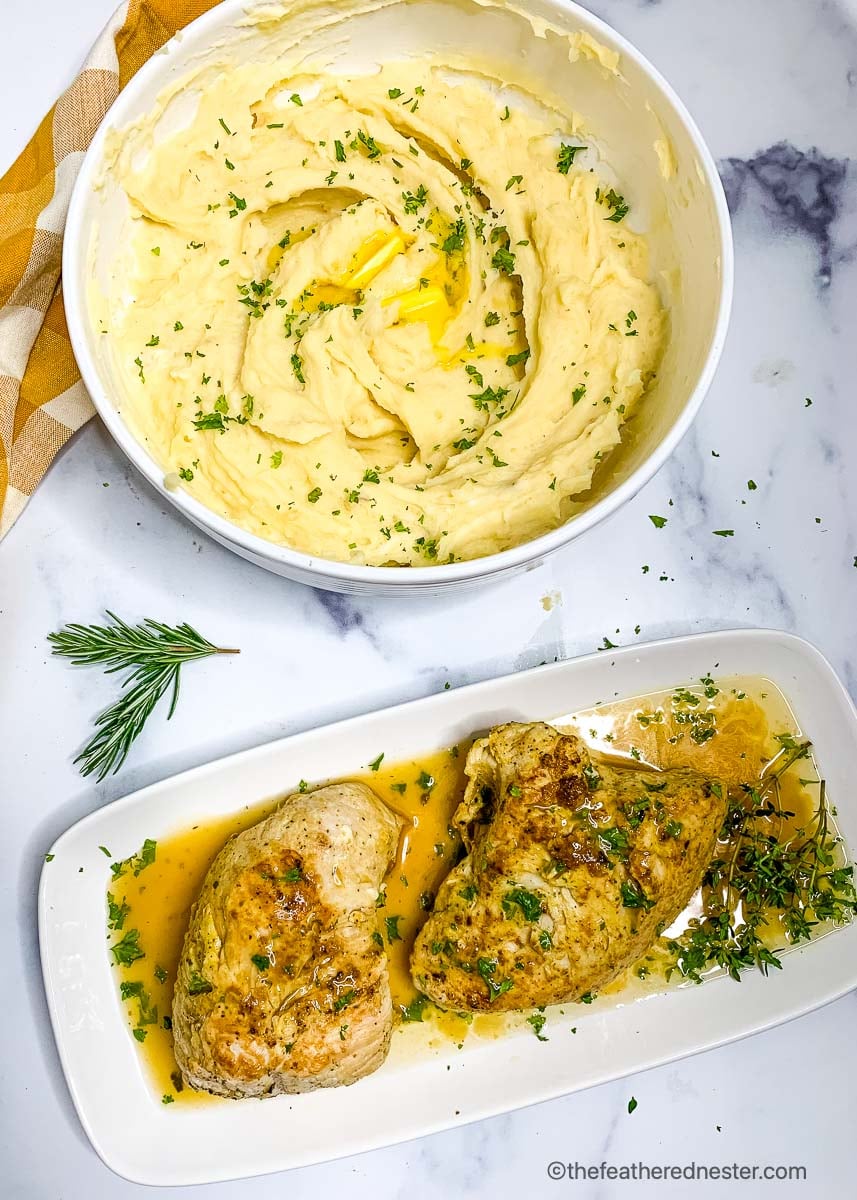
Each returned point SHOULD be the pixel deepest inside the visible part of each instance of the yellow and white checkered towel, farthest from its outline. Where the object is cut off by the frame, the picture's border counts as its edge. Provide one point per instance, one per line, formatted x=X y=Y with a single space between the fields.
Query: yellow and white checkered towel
x=42 y=398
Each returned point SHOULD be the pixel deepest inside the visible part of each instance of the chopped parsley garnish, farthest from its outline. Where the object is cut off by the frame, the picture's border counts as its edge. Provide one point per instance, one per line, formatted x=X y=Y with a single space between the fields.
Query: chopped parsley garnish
x=537 y=1020
x=528 y=902
x=127 y=949
x=456 y=238
x=147 y=1012
x=614 y=838
x=414 y=201
x=254 y=295
x=138 y=862
x=260 y=961
x=315 y=495
x=635 y=811
x=486 y=968
x=426 y=546
x=566 y=157
x=492 y=318
x=197 y=985
x=414 y=1010
x=213 y=420
x=658 y=522
x=392 y=926
x=489 y=396
x=633 y=895
x=239 y=204
x=593 y=779
x=503 y=260
x=474 y=372
x=298 y=367
x=369 y=144
x=344 y=1000
x=376 y=762
x=116 y=913
x=614 y=201
x=578 y=393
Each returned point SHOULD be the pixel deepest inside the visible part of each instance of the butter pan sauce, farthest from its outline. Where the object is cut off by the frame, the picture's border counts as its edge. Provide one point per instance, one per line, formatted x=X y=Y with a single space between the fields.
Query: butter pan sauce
x=738 y=729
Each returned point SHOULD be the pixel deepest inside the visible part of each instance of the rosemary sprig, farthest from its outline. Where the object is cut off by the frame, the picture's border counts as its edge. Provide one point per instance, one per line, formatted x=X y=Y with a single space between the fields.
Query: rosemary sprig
x=154 y=654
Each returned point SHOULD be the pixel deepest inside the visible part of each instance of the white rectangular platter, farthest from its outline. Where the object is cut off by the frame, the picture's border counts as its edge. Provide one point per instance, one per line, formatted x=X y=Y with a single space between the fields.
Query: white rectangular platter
x=148 y=1142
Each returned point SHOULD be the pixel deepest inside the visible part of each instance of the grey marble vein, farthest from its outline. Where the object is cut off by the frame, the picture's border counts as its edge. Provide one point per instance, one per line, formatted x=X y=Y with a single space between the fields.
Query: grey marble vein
x=799 y=190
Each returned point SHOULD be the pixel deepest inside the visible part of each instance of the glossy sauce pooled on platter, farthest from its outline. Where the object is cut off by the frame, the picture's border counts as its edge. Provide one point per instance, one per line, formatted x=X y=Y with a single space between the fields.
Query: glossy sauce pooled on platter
x=739 y=730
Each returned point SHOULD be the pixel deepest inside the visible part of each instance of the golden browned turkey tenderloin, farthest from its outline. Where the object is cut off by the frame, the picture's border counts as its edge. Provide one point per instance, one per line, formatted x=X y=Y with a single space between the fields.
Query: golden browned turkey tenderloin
x=573 y=869
x=281 y=986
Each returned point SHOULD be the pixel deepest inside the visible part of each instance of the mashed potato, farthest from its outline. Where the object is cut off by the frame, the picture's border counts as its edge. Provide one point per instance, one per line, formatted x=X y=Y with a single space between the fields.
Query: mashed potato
x=396 y=318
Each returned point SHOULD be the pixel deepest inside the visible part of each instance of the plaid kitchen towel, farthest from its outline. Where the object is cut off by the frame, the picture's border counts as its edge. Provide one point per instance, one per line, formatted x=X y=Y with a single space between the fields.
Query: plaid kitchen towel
x=42 y=397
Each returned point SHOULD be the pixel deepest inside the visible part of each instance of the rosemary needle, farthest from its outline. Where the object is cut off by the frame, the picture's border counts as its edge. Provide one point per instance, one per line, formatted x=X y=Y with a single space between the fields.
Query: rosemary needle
x=153 y=653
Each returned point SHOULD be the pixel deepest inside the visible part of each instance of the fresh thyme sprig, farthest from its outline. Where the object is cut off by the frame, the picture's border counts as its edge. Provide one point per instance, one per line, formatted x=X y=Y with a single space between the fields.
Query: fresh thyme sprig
x=796 y=877
x=154 y=654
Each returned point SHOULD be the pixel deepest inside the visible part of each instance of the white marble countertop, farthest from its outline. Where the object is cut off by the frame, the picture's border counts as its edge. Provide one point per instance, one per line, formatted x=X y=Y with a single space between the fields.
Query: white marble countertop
x=773 y=84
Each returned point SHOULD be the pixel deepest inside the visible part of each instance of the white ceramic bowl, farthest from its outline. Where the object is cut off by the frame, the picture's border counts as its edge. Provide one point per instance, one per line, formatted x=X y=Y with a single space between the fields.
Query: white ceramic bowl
x=685 y=218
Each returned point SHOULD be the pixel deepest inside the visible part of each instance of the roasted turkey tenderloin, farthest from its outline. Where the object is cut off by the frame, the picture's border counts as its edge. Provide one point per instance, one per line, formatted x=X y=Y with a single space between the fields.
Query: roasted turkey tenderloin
x=573 y=868
x=281 y=986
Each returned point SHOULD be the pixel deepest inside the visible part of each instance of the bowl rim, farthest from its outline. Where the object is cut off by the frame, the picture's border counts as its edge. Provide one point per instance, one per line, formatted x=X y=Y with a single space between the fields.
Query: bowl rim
x=296 y=563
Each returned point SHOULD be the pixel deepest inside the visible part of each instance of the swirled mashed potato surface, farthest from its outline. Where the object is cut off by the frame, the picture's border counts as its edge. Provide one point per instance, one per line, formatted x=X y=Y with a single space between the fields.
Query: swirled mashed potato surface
x=393 y=318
